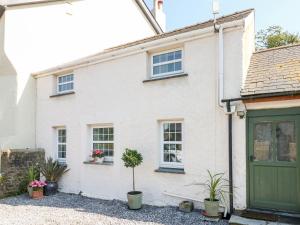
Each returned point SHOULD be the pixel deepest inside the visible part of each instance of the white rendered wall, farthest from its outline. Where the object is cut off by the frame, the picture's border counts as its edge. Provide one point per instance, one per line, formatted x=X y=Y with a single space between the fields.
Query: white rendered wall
x=114 y=92
x=37 y=37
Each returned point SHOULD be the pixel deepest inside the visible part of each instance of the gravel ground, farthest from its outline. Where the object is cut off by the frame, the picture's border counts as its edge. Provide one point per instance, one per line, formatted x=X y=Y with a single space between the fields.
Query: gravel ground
x=67 y=209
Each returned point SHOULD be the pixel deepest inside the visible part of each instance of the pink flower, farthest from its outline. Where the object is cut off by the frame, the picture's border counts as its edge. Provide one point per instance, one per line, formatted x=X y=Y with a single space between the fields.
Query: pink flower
x=37 y=184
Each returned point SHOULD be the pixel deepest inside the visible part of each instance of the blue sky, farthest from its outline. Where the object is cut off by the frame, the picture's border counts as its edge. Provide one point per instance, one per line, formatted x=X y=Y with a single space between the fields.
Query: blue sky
x=285 y=13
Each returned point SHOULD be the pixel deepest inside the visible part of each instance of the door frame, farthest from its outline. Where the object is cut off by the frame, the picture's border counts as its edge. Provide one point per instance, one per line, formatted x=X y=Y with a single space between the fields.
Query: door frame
x=255 y=113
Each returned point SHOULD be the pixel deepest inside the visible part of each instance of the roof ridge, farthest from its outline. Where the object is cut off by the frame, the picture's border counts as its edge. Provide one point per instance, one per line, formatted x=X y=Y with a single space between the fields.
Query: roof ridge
x=277 y=48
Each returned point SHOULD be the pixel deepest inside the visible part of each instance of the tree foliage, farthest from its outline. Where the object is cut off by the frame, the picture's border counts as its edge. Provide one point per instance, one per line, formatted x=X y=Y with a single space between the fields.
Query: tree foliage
x=275 y=36
x=132 y=158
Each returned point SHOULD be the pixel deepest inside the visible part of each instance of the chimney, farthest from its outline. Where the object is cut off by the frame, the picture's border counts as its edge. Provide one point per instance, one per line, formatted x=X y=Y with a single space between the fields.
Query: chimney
x=158 y=13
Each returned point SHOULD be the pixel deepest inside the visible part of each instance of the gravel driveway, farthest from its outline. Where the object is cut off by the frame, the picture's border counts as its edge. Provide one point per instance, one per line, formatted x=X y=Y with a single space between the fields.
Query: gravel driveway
x=67 y=209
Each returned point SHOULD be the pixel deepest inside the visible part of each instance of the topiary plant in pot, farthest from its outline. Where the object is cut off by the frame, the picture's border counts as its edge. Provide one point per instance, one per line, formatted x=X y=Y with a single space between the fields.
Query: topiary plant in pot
x=52 y=170
x=132 y=159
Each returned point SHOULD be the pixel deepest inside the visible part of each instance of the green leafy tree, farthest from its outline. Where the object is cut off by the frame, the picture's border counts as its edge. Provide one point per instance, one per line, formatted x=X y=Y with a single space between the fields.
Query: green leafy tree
x=275 y=36
x=132 y=159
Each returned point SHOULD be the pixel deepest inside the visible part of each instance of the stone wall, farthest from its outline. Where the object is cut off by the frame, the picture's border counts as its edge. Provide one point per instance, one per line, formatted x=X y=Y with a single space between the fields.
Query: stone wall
x=14 y=167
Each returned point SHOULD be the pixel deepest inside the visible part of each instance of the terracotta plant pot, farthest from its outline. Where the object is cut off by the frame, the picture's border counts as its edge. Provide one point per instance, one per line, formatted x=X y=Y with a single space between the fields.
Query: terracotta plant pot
x=37 y=194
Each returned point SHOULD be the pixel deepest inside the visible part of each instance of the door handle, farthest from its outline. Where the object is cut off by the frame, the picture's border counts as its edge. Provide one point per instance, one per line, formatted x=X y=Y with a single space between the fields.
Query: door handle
x=252 y=158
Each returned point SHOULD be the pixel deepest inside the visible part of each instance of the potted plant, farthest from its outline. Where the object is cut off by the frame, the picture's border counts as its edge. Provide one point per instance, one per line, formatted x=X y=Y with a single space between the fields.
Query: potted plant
x=31 y=176
x=52 y=170
x=132 y=159
x=37 y=189
x=98 y=155
x=216 y=185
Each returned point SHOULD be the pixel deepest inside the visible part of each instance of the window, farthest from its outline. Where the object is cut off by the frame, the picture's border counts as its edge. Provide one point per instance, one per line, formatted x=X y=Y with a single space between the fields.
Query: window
x=65 y=83
x=167 y=63
x=171 y=148
x=61 y=145
x=103 y=139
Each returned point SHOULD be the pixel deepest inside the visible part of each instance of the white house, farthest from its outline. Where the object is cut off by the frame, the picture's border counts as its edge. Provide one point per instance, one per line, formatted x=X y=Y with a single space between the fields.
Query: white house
x=190 y=100
x=161 y=95
x=39 y=34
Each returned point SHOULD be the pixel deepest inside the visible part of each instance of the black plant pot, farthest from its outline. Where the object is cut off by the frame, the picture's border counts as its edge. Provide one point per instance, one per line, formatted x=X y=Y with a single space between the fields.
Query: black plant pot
x=50 y=188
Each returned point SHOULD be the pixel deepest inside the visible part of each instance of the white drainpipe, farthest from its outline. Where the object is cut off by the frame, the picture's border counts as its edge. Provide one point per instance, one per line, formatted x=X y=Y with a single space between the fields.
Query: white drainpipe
x=221 y=66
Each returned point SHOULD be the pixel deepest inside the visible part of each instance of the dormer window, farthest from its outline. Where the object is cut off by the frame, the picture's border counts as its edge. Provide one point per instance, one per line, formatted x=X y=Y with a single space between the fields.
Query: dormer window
x=65 y=83
x=167 y=63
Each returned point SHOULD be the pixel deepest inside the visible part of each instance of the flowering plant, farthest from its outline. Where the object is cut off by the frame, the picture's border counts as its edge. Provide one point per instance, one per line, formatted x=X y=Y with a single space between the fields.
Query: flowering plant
x=36 y=184
x=98 y=153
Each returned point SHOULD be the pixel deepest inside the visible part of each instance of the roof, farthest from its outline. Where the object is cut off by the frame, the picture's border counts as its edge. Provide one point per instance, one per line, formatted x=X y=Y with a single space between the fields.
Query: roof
x=142 y=5
x=210 y=23
x=273 y=71
x=221 y=20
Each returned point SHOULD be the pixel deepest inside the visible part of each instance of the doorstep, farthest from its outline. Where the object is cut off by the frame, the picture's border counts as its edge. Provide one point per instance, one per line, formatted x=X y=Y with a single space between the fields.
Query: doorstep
x=237 y=220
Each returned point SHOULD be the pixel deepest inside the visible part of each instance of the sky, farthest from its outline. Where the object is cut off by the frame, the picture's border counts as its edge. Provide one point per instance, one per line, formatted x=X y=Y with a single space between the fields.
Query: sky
x=285 y=13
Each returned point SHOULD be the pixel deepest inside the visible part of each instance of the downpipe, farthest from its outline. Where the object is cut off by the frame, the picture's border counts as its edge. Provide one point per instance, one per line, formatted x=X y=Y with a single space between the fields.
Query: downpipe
x=229 y=112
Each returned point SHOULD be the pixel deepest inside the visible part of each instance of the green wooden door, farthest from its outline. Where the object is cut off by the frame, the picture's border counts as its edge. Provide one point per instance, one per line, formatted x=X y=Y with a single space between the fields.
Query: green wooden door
x=273 y=154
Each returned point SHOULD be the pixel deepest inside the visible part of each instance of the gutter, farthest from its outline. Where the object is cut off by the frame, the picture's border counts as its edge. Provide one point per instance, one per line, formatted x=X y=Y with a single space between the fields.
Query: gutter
x=265 y=95
x=32 y=3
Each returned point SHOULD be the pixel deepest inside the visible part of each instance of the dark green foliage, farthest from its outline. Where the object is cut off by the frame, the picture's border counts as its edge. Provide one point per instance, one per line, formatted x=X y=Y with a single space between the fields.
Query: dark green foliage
x=52 y=170
x=275 y=36
x=132 y=158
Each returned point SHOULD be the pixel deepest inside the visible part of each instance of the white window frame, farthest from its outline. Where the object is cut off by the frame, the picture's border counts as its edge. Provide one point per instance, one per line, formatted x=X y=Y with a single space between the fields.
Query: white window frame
x=167 y=62
x=68 y=82
x=162 y=142
x=61 y=160
x=107 y=158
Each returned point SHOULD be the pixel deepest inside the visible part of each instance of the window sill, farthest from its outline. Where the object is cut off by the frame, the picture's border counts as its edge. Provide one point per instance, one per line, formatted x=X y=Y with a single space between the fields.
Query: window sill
x=170 y=170
x=166 y=77
x=62 y=94
x=99 y=163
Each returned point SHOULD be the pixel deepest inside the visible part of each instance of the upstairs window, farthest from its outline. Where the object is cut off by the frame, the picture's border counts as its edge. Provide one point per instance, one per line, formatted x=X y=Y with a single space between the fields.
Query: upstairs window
x=167 y=63
x=65 y=83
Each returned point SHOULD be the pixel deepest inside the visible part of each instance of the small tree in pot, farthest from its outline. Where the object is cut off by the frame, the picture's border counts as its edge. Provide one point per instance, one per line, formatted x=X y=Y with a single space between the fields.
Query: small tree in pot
x=52 y=170
x=132 y=159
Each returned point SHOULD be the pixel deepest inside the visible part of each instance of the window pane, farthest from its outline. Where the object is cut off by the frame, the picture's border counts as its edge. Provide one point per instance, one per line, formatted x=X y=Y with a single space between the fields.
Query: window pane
x=155 y=70
x=171 y=67
x=178 y=136
x=262 y=141
x=155 y=59
x=178 y=54
x=172 y=127
x=166 y=137
x=172 y=137
x=178 y=127
x=171 y=56
x=178 y=66
x=166 y=127
x=286 y=143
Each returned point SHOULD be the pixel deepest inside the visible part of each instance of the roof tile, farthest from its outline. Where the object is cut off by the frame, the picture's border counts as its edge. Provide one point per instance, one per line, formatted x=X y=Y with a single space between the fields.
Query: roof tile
x=273 y=70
